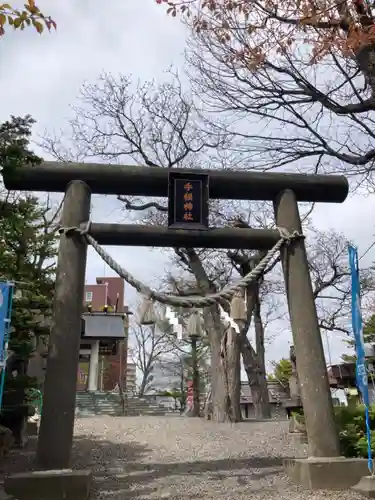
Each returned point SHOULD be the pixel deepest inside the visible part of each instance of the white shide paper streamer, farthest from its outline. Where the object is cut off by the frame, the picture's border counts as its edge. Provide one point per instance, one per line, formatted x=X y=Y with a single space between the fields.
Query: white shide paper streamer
x=172 y=317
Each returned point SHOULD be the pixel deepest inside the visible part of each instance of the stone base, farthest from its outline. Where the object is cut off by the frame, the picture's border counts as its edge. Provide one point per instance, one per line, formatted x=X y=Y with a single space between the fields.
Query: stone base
x=366 y=487
x=50 y=485
x=336 y=473
x=298 y=437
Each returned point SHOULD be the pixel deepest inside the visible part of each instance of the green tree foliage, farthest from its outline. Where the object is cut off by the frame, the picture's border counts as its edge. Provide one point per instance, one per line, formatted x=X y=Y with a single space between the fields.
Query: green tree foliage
x=27 y=252
x=30 y=15
x=25 y=258
x=351 y=424
x=369 y=329
x=282 y=371
x=368 y=335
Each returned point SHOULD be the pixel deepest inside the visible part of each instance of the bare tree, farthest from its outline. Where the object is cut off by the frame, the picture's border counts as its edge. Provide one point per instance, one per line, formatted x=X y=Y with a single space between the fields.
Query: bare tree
x=313 y=108
x=254 y=359
x=150 y=345
x=160 y=126
x=330 y=273
x=179 y=365
x=225 y=353
x=157 y=125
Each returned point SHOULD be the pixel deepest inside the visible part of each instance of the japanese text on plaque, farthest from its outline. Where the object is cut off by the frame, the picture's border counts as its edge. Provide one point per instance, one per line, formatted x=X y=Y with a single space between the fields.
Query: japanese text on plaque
x=188 y=202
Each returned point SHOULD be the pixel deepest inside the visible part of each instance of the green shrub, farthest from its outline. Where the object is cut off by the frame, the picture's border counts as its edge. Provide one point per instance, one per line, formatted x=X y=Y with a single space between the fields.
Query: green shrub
x=349 y=437
x=361 y=446
x=299 y=416
x=351 y=425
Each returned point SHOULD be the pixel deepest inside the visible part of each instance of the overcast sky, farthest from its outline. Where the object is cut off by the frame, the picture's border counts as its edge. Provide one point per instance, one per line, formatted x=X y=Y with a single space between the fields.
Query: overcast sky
x=41 y=76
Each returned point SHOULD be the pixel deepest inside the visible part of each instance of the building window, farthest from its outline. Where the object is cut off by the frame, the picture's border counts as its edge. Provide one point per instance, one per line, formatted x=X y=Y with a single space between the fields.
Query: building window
x=88 y=296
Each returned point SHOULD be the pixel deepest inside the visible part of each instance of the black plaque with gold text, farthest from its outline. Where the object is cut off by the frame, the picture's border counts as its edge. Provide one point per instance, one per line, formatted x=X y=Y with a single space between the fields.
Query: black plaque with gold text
x=187 y=201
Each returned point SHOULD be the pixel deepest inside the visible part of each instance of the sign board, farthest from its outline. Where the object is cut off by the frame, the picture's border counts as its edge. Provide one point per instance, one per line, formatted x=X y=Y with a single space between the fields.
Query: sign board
x=187 y=201
x=108 y=347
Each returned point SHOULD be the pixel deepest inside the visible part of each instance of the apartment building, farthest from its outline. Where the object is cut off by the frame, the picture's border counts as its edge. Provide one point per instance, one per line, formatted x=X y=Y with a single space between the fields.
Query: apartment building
x=106 y=295
x=109 y=292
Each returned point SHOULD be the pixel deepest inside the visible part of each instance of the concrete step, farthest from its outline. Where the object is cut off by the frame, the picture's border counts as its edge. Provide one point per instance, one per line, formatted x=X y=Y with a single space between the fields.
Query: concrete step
x=139 y=408
x=95 y=404
x=119 y=403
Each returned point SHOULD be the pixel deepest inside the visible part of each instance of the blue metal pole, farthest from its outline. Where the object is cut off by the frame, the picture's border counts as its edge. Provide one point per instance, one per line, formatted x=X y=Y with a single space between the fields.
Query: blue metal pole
x=5 y=342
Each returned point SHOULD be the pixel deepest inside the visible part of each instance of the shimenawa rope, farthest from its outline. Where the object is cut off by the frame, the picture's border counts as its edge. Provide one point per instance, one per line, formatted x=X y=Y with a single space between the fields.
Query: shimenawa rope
x=190 y=301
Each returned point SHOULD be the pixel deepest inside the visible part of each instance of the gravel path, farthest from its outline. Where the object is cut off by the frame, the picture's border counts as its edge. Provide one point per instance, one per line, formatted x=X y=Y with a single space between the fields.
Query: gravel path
x=177 y=458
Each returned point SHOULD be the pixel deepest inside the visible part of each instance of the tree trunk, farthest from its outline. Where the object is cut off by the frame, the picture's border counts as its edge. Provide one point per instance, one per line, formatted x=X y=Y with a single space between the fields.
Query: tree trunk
x=259 y=335
x=263 y=410
x=233 y=373
x=257 y=381
x=219 y=409
x=123 y=396
x=143 y=385
x=214 y=328
x=366 y=61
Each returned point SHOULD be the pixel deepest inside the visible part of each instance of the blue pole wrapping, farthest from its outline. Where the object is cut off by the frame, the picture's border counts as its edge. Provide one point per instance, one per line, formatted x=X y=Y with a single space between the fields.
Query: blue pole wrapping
x=361 y=369
x=6 y=298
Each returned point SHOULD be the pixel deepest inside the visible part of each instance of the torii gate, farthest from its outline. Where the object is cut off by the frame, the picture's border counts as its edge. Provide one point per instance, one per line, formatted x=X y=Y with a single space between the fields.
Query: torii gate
x=78 y=181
